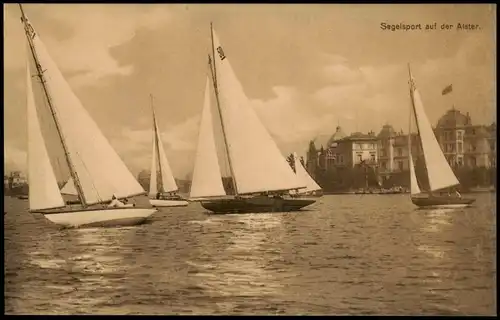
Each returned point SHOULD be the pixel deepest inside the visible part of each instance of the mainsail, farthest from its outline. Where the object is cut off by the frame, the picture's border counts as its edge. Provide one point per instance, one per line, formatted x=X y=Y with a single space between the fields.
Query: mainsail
x=439 y=171
x=304 y=176
x=43 y=190
x=257 y=163
x=207 y=181
x=101 y=173
x=160 y=165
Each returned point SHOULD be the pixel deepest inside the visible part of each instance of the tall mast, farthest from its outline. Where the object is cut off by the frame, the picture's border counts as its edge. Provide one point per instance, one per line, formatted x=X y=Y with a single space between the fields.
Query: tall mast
x=157 y=146
x=412 y=88
x=30 y=34
x=216 y=89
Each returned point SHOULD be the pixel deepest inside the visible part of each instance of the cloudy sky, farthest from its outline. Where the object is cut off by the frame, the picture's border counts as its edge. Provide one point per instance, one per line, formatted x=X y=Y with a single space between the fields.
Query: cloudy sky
x=306 y=68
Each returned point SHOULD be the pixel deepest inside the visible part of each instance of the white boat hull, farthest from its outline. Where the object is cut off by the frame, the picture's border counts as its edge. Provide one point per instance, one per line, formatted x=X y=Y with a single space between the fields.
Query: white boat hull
x=108 y=217
x=168 y=203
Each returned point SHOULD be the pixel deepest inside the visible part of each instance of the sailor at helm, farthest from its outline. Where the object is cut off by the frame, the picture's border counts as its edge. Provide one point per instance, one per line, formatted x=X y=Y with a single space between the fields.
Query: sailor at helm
x=115 y=203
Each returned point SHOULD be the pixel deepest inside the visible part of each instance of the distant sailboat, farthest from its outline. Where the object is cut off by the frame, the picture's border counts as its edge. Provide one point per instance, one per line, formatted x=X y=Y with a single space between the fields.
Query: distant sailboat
x=97 y=172
x=439 y=172
x=312 y=188
x=162 y=185
x=260 y=176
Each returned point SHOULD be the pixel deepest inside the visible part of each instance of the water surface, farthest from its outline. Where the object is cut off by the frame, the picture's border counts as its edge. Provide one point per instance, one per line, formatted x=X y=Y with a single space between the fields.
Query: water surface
x=348 y=254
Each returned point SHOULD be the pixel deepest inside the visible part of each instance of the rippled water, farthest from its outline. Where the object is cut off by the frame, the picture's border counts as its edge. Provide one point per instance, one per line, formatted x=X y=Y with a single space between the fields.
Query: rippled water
x=349 y=254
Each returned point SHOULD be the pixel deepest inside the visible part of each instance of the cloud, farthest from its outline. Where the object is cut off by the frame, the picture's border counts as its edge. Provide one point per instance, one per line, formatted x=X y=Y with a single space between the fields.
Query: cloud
x=289 y=116
x=14 y=158
x=90 y=32
x=135 y=146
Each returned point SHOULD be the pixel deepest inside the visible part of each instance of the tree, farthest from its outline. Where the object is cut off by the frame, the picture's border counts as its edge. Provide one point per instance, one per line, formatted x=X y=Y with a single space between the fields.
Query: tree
x=143 y=178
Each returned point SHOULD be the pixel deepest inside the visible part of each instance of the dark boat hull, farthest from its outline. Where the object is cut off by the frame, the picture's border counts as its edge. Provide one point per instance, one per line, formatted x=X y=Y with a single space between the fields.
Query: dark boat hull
x=256 y=205
x=442 y=202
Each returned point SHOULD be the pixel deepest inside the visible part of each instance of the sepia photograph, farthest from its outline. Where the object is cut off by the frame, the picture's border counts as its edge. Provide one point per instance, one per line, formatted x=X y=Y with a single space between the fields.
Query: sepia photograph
x=250 y=159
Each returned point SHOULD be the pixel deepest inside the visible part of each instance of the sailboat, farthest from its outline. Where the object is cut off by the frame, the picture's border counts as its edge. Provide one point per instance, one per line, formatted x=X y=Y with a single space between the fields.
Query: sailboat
x=97 y=172
x=260 y=176
x=439 y=172
x=312 y=188
x=162 y=185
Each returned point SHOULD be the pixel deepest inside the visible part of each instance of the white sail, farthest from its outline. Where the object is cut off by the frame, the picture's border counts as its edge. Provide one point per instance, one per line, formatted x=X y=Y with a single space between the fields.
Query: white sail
x=69 y=188
x=439 y=171
x=100 y=170
x=43 y=189
x=257 y=163
x=207 y=181
x=304 y=176
x=153 y=181
x=167 y=183
x=414 y=189
x=168 y=180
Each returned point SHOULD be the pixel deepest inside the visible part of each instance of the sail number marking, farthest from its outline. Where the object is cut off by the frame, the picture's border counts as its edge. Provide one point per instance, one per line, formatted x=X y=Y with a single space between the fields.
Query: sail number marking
x=221 y=53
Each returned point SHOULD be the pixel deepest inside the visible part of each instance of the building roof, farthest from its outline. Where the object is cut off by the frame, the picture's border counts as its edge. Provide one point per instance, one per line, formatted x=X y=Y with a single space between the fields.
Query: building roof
x=454 y=118
x=386 y=132
x=338 y=135
x=360 y=136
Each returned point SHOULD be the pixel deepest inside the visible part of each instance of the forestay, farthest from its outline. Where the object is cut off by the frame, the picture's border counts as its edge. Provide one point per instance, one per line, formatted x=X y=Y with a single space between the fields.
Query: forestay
x=439 y=171
x=257 y=163
x=43 y=191
x=100 y=170
x=207 y=181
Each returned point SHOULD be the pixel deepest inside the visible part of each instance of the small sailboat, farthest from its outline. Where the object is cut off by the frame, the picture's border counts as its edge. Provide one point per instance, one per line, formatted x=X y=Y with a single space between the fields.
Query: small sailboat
x=260 y=176
x=98 y=175
x=162 y=185
x=439 y=172
x=312 y=189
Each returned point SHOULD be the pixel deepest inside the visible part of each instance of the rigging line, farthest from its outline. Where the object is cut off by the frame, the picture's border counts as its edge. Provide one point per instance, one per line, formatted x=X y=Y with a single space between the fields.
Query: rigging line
x=42 y=117
x=91 y=180
x=30 y=35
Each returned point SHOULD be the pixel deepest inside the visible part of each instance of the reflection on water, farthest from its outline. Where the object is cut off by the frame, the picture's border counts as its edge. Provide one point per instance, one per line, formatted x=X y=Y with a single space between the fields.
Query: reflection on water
x=349 y=255
x=238 y=270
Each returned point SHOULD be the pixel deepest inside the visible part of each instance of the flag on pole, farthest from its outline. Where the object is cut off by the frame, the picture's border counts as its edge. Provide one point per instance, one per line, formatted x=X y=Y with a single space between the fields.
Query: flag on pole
x=447 y=90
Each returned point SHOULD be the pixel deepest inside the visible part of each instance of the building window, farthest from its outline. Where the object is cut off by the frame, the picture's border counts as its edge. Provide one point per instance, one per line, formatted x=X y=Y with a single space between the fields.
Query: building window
x=400 y=165
x=400 y=152
x=372 y=157
x=473 y=131
x=460 y=135
x=460 y=147
x=341 y=158
x=383 y=153
x=360 y=158
x=460 y=161
x=384 y=165
x=472 y=147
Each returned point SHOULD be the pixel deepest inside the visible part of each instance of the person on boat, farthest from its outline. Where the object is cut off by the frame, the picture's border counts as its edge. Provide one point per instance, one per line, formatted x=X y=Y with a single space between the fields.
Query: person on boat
x=115 y=203
x=158 y=196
